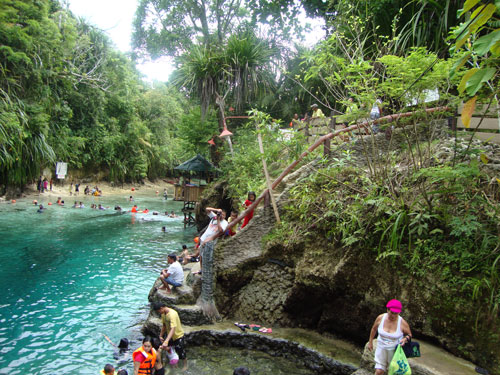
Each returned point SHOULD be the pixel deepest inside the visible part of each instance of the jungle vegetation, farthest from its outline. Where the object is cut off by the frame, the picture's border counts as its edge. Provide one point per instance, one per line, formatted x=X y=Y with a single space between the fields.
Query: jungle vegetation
x=67 y=95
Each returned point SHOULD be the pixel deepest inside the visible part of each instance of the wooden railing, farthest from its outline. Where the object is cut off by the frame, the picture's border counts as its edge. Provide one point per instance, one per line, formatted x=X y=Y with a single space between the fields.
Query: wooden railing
x=325 y=139
x=485 y=122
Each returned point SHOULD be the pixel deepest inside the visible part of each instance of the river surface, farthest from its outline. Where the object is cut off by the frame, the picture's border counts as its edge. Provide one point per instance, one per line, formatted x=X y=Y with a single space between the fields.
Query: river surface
x=68 y=276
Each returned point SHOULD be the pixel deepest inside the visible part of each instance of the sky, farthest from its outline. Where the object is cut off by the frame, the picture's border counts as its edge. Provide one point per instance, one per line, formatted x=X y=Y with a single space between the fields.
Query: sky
x=115 y=17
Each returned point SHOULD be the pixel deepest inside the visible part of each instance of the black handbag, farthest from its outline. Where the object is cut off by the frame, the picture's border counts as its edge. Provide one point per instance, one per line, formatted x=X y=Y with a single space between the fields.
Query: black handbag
x=411 y=349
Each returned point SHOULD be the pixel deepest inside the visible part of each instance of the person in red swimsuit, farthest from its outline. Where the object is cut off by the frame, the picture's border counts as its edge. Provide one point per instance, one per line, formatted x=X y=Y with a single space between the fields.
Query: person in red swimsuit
x=250 y=199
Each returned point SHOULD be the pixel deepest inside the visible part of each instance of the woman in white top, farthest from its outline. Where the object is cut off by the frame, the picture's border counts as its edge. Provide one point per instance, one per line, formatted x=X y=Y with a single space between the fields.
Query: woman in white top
x=392 y=330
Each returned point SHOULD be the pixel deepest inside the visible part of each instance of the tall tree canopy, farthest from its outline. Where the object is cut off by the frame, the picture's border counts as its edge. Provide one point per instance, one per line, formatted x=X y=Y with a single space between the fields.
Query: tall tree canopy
x=66 y=95
x=172 y=27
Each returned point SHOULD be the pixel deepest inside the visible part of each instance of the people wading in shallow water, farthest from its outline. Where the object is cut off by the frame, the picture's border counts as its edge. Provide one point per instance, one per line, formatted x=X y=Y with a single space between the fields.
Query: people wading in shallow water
x=172 y=328
x=392 y=330
x=145 y=359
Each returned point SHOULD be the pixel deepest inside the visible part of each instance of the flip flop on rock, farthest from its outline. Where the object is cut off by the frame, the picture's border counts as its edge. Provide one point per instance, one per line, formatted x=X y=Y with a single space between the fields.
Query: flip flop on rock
x=241 y=326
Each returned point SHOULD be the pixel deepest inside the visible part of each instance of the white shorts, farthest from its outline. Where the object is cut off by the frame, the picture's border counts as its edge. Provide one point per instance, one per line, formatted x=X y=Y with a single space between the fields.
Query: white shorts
x=383 y=357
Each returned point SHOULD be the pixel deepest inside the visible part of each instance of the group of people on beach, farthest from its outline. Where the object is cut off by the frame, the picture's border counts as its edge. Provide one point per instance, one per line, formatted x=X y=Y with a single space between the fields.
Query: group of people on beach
x=42 y=184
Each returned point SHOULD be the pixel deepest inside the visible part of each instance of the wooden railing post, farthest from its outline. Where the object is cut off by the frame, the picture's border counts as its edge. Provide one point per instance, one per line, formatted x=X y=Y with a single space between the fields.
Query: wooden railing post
x=326 y=148
x=265 y=194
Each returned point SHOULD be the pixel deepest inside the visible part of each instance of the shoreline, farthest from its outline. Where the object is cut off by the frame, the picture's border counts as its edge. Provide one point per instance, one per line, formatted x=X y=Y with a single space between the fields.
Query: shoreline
x=108 y=190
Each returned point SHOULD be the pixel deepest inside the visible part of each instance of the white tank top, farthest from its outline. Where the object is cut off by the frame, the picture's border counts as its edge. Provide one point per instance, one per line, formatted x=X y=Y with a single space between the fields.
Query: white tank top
x=386 y=340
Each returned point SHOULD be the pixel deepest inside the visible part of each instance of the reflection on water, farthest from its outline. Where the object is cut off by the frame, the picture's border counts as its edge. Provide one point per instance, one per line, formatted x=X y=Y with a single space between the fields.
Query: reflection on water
x=69 y=275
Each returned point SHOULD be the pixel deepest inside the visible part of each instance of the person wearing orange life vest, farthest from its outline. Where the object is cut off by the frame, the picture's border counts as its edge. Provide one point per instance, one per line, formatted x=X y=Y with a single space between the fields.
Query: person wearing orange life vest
x=134 y=209
x=145 y=359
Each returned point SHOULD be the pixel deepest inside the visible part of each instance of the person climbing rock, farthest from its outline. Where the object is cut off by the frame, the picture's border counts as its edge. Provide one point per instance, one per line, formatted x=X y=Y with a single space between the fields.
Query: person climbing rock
x=392 y=330
x=172 y=328
x=216 y=227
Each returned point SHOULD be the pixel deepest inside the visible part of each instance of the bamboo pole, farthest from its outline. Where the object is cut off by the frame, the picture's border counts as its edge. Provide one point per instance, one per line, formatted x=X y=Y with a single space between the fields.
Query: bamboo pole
x=268 y=180
x=387 y=119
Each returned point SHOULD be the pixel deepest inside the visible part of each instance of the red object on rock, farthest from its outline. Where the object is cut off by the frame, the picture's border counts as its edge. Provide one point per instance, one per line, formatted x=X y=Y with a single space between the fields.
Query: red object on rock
x=133 y=189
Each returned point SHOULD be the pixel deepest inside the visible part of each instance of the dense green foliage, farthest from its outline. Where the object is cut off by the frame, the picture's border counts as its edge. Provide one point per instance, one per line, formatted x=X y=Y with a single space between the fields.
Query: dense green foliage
x=244 y=171
x=66 y=95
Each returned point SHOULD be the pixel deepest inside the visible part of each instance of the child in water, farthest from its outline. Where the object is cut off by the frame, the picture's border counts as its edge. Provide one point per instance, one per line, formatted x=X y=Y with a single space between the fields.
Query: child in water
x=250 y=199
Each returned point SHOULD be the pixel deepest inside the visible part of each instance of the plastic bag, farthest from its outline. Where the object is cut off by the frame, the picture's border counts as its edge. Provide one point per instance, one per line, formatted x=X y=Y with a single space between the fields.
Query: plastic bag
x=173 y=357
x=411 y=349
x=399 y=364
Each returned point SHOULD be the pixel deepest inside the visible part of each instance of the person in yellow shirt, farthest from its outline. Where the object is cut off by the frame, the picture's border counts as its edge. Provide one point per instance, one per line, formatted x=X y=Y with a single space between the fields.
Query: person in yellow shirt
x=316 y=112
x=172 y=328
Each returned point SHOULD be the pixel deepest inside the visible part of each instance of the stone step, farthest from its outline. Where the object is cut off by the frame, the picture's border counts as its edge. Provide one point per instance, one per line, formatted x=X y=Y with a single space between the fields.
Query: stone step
x=186 y=294
x=190 y=315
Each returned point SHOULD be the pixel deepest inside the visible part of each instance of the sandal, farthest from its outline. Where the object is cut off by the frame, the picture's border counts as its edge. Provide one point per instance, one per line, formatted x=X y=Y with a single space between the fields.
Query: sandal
x=243 y=327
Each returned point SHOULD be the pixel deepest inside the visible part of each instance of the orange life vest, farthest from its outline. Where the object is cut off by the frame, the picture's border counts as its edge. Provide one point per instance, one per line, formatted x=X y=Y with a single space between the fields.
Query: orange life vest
x=148 y=364
x=134 y=209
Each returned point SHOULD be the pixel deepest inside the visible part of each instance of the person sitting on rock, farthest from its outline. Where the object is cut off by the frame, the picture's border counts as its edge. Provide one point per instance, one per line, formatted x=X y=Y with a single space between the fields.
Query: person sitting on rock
x=174 y=275
x=186 y=257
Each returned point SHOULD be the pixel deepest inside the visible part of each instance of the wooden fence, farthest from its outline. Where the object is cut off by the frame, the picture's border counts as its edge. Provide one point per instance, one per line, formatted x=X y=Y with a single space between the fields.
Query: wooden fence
x=485 y=121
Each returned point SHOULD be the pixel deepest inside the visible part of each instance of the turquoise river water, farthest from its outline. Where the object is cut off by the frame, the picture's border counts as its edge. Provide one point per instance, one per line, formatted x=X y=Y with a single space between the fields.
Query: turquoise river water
x=69 y=275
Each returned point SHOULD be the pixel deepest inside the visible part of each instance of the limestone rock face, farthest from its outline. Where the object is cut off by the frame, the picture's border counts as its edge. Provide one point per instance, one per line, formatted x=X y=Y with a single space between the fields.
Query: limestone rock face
x=333 y=289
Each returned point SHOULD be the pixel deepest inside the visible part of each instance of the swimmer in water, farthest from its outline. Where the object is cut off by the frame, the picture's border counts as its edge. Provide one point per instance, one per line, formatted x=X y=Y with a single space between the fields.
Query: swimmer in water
x=40 y=209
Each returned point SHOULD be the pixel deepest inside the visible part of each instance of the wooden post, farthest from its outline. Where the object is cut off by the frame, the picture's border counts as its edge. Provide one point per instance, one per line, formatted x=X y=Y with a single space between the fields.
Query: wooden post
x=326 y=148
x=268 y=180
x=267 y=200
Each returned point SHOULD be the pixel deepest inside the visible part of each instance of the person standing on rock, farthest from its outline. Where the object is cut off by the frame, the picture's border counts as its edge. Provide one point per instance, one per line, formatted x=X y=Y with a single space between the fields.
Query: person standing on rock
x=216 y=227
x=171 y=326
x=173 y=275
x=392 y=331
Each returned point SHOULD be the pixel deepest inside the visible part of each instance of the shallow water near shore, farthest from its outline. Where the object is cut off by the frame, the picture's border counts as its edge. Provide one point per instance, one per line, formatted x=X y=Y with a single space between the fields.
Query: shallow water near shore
x=70 y=275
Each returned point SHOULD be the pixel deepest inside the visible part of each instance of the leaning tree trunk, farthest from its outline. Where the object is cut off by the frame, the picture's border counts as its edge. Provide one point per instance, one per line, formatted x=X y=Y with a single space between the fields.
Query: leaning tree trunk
x=206 y=299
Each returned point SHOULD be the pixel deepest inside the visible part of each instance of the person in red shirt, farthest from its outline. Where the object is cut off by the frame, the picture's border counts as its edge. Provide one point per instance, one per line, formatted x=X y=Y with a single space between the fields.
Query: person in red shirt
x=250 y=199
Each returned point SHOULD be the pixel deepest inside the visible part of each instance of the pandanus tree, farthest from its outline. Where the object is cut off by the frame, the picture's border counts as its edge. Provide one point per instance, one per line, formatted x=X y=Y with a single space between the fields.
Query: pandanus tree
x=241 y=71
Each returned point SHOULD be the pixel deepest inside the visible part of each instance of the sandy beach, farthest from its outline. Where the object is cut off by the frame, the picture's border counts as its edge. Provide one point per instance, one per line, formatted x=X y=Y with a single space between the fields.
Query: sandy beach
x=146 y=188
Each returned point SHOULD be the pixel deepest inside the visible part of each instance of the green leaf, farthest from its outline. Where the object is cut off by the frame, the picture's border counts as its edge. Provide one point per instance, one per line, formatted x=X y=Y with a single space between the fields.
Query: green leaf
x=469 y=4
x=462 y=40
x=495 y=50
x=483 y=14
x=483 y=44
x=465 y=78
x=475 y=82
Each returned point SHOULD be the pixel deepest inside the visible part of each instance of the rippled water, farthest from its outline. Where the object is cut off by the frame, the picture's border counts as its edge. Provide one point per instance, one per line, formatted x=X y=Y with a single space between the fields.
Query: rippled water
x=68 y=275
x=219 y=361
